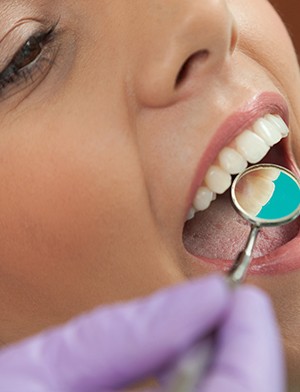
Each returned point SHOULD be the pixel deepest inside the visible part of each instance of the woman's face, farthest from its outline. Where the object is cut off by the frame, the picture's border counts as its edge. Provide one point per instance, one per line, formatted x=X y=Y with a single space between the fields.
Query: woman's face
x=110 y=118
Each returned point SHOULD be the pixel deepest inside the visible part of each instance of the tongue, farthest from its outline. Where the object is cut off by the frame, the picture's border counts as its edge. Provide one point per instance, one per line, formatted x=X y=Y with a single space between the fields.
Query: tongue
x=219 y=232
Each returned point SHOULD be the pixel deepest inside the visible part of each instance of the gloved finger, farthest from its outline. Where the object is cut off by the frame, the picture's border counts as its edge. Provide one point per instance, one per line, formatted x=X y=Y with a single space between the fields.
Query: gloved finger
x=249 y=356
x=116 y=345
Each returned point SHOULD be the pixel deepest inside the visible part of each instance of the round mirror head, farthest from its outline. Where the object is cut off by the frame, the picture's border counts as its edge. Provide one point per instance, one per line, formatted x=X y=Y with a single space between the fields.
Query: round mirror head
x=267 y=195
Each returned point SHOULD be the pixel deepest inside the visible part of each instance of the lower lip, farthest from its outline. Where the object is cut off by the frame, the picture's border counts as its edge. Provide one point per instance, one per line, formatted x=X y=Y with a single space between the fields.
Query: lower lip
x=282 y=260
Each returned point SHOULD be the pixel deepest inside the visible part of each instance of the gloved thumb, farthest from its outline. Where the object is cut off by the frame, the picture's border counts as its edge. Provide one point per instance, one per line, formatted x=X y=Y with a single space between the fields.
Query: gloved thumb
x=249 y=354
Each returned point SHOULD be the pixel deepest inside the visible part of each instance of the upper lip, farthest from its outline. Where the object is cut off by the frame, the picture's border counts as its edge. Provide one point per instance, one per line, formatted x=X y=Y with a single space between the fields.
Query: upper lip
x=237 y=122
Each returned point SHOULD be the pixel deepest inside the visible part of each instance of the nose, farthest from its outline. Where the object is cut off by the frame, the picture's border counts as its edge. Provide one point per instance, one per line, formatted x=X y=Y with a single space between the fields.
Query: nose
x=183 y=38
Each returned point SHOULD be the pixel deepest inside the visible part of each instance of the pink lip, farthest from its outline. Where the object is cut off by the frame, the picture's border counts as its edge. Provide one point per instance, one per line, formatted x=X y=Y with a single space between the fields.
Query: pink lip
x=287 y=257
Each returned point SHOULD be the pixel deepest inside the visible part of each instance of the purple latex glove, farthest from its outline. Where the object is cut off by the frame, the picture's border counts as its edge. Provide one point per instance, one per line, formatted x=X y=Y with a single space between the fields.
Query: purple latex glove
x=114 y=346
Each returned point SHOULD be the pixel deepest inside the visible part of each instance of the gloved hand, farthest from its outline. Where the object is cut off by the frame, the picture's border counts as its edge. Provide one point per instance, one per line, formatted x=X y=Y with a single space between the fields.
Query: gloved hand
x=114 y=346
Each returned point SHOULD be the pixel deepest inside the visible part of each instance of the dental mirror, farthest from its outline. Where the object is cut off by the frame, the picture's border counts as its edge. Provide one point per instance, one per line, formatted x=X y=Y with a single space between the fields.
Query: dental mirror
x=265 y=195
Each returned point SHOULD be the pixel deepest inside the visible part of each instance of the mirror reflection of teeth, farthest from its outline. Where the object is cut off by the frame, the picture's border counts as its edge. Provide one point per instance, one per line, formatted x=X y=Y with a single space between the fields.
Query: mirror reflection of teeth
x=251 y=146
x=255 y=190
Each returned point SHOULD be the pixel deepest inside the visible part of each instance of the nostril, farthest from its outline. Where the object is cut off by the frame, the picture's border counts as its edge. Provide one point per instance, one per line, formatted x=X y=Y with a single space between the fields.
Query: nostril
x=189 y=64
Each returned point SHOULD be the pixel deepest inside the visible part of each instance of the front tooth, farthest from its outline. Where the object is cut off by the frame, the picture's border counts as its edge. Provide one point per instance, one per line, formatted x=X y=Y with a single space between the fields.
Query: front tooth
x=217 y=179
x=267 y=131
x=253 y=194
x=279 y=123
x=231 y=161
x=252 y=147
x=203 y=198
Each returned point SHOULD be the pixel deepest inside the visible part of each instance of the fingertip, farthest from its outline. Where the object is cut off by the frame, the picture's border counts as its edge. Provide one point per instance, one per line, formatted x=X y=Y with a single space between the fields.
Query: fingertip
x=206 y=296
x=215 y=284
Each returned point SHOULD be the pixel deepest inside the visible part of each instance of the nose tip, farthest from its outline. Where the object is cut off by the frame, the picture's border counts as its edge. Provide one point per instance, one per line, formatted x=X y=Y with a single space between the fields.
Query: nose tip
x=200 y=34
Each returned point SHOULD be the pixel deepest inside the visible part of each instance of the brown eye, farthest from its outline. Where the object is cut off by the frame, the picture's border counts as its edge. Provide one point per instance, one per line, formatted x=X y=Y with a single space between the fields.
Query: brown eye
x=29 y=52
x=36 y=54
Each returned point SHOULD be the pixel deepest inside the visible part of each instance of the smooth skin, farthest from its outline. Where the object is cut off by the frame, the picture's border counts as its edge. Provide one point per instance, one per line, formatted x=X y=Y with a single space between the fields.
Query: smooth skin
x=98 y=152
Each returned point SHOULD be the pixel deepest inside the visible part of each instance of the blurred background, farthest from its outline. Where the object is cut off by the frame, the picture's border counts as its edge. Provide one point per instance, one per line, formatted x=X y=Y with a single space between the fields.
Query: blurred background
x=289 y=10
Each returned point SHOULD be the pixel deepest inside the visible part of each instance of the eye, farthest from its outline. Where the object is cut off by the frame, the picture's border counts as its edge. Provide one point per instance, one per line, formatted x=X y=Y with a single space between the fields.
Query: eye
x=34 y=57
x=29 y=52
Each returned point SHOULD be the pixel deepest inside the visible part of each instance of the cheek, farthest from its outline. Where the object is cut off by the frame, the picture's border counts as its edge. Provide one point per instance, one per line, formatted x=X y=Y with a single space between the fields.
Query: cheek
x=65 y=194
x=76 y=221
x=263 y=36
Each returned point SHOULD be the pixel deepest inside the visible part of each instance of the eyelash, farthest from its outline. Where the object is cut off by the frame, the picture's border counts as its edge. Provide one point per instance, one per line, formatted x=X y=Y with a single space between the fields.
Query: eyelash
x=14 y=74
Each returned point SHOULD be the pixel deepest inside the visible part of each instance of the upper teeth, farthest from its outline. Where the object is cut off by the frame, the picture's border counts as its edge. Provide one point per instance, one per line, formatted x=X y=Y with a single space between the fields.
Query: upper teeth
x=251 y=146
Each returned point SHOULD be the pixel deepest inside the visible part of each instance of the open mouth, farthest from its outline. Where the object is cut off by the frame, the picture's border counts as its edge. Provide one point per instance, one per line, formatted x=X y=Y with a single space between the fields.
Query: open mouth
x=214 y=232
